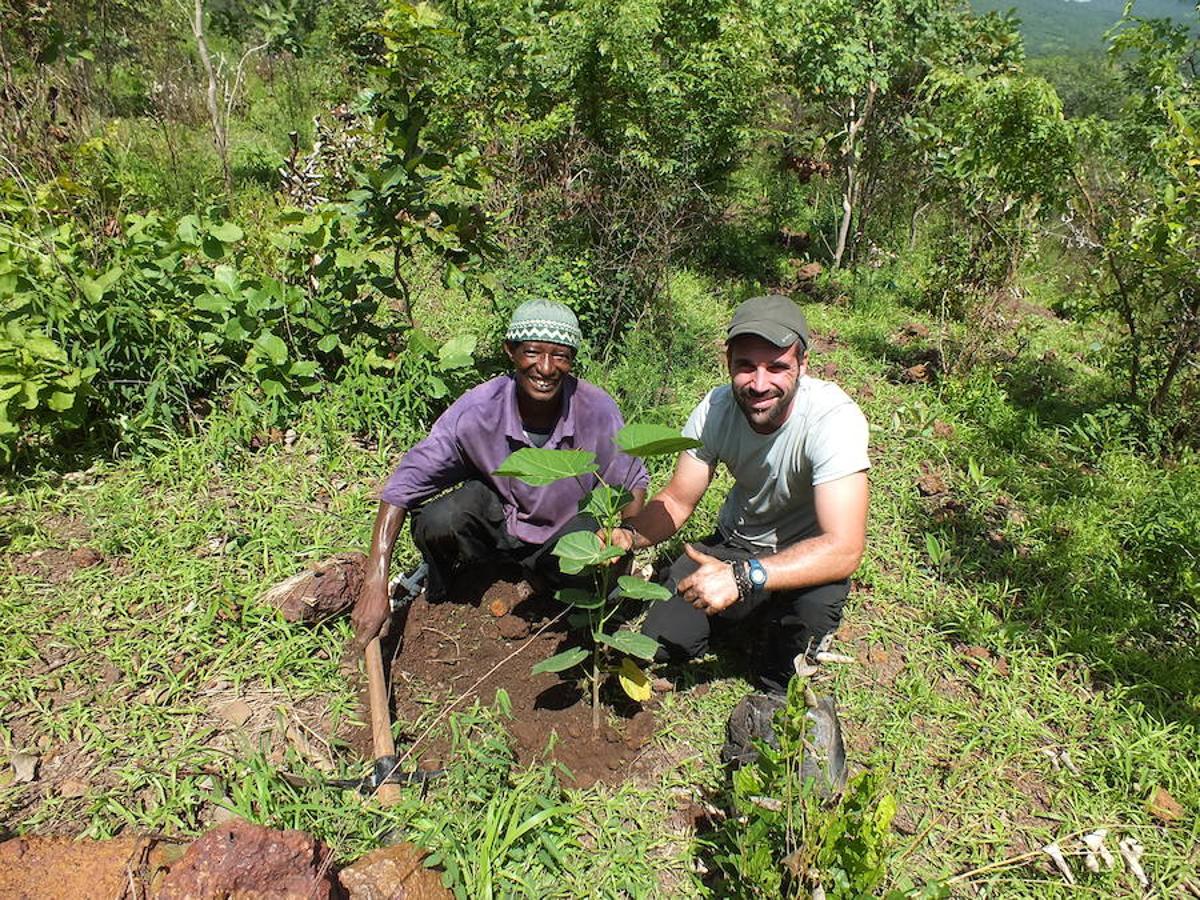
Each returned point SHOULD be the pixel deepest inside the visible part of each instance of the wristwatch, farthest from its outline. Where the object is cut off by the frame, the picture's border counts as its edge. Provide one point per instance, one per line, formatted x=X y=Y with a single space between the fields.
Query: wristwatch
x=758 y=575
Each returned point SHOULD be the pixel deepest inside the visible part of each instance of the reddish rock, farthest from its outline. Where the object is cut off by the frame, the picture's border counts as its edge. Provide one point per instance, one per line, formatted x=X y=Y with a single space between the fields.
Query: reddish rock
x=327 y=589
x=393 y=873
x=1164 y=807
x=943 y=429
x=828 y=371
x=640 y=730
x=33 y=868
x=931 y=484
x=250 y=862
x=86 y=557
x=918 y=374
x=809 y=271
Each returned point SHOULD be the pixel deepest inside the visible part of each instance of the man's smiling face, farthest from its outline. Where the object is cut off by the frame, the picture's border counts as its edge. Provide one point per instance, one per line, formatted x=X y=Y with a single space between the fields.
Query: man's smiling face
x=764 y=378
x=540 y=368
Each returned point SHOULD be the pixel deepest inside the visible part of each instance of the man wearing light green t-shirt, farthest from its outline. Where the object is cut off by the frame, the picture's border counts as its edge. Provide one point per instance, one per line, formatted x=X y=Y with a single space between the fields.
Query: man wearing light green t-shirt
x=793 y=528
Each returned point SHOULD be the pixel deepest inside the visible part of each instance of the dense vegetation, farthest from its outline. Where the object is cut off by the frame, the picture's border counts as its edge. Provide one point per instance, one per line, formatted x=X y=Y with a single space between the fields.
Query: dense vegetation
x=224 y=221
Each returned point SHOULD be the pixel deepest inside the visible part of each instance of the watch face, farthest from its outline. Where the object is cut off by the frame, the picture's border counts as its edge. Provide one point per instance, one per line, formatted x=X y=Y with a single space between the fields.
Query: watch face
x=758 y=574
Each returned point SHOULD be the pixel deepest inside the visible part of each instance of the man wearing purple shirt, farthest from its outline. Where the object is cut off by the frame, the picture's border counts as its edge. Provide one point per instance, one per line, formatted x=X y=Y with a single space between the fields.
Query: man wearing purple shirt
x=539 y=404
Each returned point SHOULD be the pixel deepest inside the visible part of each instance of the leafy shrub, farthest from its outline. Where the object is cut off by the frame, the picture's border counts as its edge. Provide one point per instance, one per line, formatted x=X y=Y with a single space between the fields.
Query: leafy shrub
x=177 y=315
x=784 y=841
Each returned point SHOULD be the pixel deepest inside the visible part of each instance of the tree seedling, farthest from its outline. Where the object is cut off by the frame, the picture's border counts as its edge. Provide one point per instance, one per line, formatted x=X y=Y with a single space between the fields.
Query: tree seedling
x=583 y=551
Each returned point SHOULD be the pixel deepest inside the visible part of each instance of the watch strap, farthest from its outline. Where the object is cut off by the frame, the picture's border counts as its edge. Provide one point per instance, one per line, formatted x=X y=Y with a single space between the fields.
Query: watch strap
x=741 y=577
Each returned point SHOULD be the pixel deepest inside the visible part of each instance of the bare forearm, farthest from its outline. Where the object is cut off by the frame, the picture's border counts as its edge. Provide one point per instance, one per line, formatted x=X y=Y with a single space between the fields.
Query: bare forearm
x=634 y=506
x=658 y=521
x=819 y=560
x=388 y=521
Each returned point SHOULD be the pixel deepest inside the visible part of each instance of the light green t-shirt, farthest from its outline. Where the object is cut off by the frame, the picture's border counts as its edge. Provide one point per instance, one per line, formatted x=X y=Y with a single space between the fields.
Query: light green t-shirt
x=771 y=504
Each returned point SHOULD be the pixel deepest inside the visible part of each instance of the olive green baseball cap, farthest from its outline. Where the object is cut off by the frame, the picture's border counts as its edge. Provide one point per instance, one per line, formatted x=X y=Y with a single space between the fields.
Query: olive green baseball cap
x=774 y=318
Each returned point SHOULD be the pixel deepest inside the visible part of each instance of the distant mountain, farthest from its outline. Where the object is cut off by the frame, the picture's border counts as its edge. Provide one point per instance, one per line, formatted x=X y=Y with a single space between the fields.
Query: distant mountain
x=1075 y=26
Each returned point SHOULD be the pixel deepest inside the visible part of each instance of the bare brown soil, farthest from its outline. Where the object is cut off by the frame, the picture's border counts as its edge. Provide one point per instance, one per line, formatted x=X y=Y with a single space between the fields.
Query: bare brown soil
x=456 y=648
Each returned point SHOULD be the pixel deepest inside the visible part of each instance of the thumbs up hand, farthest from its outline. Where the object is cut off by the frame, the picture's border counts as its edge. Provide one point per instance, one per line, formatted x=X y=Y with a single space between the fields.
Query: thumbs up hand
x=711 y=588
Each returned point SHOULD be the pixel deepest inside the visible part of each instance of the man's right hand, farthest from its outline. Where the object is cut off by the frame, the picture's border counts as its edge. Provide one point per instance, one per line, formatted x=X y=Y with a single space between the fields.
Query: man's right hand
x=372 y=616
x=619 y=537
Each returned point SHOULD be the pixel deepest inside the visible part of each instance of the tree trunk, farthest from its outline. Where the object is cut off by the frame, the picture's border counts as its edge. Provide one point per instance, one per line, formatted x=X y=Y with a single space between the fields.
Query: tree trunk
x=850 y=190
x=220 y=131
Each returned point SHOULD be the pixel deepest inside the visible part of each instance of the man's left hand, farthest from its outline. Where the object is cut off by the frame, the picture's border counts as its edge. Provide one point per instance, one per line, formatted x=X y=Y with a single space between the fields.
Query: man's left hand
x=711 y=588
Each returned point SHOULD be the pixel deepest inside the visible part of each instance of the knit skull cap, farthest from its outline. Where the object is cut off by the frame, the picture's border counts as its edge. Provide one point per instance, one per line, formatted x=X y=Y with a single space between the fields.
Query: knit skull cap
x=544 y=320
x=774 y=317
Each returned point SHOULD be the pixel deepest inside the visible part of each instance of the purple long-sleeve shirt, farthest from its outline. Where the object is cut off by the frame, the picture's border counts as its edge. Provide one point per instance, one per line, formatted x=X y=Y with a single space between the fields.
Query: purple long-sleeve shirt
x=480 y=430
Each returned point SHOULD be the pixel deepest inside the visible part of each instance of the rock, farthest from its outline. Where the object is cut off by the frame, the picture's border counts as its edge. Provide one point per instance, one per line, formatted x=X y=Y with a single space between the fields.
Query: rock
x=499 y=607
x=931 y=484
x=86 y=557
x=70 y=788
x=240 y=860
x=393 y=873
x=24 y=767
x=235 y=712
x=1164 y=807
x=918 y=374
x=809 y=271
x=915 y=329
x=661 y=686
x=943 y=429
x=326 y=589
x=640 y=730
x=36 y=868
x=512 y=628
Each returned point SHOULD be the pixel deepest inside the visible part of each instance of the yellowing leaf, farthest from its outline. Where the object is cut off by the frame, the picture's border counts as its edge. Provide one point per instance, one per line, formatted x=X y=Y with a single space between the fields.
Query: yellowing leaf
x=634 y=682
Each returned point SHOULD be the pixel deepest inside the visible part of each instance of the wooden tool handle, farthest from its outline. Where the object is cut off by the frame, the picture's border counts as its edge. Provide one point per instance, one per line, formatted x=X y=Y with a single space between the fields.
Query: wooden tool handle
x=381 y=721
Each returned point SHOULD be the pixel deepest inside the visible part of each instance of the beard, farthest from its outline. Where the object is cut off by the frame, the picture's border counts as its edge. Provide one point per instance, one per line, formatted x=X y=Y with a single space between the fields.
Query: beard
x=765 y=419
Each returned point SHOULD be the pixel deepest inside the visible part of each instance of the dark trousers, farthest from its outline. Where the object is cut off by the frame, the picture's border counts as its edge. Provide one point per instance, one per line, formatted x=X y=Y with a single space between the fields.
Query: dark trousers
x=467 y=526
x=794 y=621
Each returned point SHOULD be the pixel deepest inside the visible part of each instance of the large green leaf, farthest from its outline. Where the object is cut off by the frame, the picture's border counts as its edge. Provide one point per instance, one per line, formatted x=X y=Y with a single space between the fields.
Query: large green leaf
x=273 y=347
x=187 y=229
x=652 y=440
x=580 y=549
x=226 y=232
x=631 y=643
x=604 y=501
x=579 y=599
x=538 y=466
x=226 y=278
x=636 y=589
x=456 y=352
x=560 y=661
x=61 y=401
x=42 y=346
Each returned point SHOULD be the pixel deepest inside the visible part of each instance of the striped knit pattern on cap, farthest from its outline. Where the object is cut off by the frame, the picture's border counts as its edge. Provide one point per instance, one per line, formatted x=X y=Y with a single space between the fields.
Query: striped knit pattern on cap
x=544 y=320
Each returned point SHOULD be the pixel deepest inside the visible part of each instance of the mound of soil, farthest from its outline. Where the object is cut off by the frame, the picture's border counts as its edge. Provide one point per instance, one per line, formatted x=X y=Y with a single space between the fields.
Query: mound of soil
x=459 y=646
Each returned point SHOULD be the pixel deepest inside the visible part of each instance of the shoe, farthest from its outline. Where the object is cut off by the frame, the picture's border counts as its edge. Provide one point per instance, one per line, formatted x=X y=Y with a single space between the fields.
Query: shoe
x=824 y=759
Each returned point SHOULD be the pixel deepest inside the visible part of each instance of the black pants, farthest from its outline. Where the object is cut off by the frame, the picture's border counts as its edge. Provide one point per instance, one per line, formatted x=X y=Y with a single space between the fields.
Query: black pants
x=795 y=621
x=467 y=526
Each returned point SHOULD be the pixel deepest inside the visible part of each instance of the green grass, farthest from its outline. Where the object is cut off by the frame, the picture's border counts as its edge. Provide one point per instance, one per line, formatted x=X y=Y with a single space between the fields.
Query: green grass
x=1067 y=561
